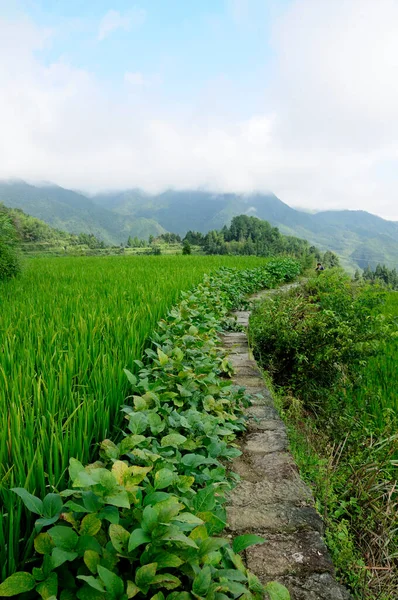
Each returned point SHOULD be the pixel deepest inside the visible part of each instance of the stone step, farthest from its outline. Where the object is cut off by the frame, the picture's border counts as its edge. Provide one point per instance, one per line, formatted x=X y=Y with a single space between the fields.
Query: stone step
x=274 y=518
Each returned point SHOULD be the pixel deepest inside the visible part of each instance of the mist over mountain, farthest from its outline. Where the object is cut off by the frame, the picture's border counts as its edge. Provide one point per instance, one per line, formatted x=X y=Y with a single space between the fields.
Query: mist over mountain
x=359 y=237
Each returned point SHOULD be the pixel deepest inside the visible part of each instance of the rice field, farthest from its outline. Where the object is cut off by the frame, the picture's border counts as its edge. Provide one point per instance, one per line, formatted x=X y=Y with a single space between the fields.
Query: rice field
x=68 y=327
x=378 y=392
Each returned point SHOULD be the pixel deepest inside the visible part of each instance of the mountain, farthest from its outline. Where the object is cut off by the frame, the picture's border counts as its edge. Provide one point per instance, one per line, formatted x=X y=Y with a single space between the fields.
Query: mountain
x=73 y=212
x=360 y=238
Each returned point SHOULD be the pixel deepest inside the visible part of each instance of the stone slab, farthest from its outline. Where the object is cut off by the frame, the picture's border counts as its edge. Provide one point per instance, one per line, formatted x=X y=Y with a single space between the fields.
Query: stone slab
x=299 y=554
x=318 y=586
x=265 y=442
x=262 y=412
x=256 y=425
x=257 y=494
x=277 y=518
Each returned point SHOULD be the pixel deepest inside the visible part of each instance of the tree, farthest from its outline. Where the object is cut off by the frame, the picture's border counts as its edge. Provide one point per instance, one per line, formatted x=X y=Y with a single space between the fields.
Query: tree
x=186 y=247
x=330 y=259
x=10 y=264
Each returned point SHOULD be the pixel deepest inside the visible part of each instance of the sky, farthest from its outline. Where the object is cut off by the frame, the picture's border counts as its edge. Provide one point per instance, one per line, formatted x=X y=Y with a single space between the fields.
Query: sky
x=296 y=97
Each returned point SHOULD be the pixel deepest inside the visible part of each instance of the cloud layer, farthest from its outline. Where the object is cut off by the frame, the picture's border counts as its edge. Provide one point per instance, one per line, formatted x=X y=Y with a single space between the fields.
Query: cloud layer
x=324 y=132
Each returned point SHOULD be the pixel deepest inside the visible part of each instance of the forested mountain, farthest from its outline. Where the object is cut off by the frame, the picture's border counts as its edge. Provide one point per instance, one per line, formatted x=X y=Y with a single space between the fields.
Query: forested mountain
x=73 y=212
x=360 y=238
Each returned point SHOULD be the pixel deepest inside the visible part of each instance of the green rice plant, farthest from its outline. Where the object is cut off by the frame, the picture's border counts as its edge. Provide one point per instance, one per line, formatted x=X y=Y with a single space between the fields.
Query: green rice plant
x=68 y=328
x=189 y=416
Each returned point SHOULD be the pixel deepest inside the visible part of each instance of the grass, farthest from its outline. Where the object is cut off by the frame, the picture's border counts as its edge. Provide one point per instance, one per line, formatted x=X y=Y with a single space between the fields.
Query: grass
x=347 y=451
x=68 y=328
x=378 y=392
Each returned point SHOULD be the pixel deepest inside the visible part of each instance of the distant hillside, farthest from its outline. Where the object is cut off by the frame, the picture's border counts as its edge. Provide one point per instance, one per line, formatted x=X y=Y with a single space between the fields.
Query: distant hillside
x=357 y=236
x=71 y=211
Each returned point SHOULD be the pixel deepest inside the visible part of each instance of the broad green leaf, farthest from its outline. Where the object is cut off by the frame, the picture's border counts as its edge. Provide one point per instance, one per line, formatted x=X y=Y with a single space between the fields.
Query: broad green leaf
x=194 y=460
x=237 y=588
x=140 y=403
x=91 y=502
x=42 y=522
x=144 y=575
x=155 y=497
x=75 y=507
x=138 y=537
x=93 y=582
x=52 y=505
x=130 y=442
x=202 y=582
x=158 y=596
x=132 y=589
x=211 y=544
x=48 y=588
x=138 y=422
x=109 y=513
x=189 y=518
x=91 y=560
x=214 y=523
x=173 y=439
x=119 y=537
x=205 y=499
x=166 y=580
x=231 y=574
x=149 y=519
x=18 y=583
x=163 y=358
x=75 y=467
x=60 y=556
x=87 y=542
x=113 y=583
x=167 y=560
x=43 y=543
x=184 y=483
x=108 y=449
x=120 y=499
x=63 y=537
x=163 y=478
x=277 y=591
x=132 y=378
x=156 y=423
x=242 y=542
x=174 y=536
x=90 y=525
x=255 y=584
x=35 y=505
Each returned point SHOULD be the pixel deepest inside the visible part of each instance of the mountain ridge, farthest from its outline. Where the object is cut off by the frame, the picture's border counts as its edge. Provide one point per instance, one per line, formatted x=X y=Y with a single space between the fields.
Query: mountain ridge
x=359 y=237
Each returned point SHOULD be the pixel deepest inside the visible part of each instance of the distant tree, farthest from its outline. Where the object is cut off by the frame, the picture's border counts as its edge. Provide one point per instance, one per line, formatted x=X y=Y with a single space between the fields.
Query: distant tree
x=130 y=242
x=186 y=247
x=151 y=239
x=382 y=274
x=330 y=259
x=10 y=264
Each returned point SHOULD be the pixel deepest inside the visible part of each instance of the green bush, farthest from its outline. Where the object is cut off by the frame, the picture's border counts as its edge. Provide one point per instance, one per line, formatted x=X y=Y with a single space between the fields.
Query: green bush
x=9 y=258
x=315 y=336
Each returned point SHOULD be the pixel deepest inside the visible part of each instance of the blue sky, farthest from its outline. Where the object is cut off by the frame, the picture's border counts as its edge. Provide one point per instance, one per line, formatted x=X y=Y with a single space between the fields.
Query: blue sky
x=297 y=97
x=183 y=43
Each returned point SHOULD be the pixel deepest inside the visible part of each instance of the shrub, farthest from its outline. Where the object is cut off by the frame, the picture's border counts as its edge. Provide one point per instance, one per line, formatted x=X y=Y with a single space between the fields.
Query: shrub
x=9 y=258
x=315 y=336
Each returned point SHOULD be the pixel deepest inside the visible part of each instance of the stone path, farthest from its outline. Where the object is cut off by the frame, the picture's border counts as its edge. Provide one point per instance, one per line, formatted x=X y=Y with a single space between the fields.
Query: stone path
x=271 y=499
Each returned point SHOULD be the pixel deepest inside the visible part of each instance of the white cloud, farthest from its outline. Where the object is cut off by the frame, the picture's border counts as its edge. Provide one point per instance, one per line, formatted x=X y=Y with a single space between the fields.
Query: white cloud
x=114 y=20
x=134 y=78
x=324 y=133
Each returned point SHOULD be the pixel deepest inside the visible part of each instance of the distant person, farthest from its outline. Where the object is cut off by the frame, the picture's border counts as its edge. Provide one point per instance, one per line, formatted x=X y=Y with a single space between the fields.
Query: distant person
x=319 y=267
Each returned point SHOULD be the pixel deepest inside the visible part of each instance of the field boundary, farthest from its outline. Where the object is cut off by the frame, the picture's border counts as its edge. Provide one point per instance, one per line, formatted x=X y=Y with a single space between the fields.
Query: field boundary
x=271 y=499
